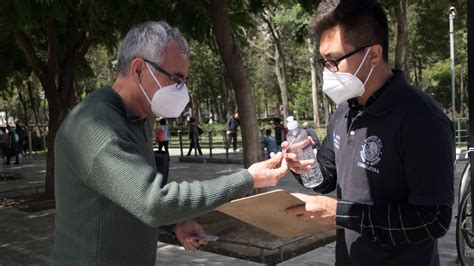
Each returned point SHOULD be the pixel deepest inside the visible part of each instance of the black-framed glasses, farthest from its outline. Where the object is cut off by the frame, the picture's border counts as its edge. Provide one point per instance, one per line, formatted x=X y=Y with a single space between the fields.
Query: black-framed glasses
x=180 y=82
x=332 y=64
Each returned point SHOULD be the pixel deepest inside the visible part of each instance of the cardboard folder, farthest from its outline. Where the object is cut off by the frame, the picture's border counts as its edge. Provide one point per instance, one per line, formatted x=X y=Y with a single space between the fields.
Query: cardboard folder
x=267 y=212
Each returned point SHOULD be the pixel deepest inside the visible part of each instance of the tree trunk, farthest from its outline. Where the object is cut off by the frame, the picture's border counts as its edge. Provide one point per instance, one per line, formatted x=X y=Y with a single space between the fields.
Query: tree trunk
x=407 y=46
x=232 y=58
x=420 y=73
x=401 y=36
x=56 y=76
x=415 y=72
x=280 y=72
x=326 y=103
x=279 y=57
x=56 y=117
x=314 y=81
x=34 y=107
x=461 y=88
x=24 y=107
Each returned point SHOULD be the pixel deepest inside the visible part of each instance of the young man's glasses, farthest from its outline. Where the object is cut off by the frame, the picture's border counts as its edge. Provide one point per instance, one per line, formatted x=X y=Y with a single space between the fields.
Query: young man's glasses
x=332 y=64
x=180 y=82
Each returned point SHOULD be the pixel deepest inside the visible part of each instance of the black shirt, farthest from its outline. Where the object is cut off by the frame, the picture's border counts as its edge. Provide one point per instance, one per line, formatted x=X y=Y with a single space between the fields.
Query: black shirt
x=391 y=162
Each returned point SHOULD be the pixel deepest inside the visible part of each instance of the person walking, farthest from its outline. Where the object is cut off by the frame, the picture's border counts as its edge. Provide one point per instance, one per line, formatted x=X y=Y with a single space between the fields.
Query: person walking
x=232 y=125
x=163 y=136
x=12 y=147
x=194 y=132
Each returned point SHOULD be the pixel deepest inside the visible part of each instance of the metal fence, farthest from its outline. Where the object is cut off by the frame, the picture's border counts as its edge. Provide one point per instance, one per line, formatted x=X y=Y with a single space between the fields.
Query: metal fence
x=209 y=141
x=461 y=128
x=212 y=140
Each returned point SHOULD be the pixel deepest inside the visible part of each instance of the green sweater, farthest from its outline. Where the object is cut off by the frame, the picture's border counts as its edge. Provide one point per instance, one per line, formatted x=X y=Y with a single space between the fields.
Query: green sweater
x=109 y=203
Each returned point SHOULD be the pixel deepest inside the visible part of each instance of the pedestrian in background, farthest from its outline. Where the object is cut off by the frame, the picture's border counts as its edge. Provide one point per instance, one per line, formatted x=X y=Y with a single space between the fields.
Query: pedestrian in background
x=194 y=132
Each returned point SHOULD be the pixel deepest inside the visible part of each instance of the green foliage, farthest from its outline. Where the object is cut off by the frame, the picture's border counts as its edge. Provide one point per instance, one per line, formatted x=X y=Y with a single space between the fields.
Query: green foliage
x=108 y=21
x=293 y=21
x=301 y=103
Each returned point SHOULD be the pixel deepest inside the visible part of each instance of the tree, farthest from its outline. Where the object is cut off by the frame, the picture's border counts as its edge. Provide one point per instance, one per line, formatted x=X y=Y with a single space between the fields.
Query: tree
x=55 y=36
x=401 y=51
x=218 y=11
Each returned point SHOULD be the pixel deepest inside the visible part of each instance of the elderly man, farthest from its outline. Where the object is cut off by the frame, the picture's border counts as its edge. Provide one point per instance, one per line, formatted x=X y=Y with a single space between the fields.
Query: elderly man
x=109 y=200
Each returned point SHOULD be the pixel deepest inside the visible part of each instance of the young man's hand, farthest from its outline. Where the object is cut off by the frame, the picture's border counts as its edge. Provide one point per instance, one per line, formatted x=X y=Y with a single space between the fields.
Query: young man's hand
x=317 y=208
x=292 y=161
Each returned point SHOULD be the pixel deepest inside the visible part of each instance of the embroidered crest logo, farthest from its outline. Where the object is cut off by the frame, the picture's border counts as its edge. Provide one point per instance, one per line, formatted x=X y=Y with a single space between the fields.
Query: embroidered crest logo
x=371 y=151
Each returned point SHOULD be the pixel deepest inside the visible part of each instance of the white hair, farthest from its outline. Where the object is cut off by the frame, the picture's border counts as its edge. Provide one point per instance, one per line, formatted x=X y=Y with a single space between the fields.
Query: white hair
x=148 y=40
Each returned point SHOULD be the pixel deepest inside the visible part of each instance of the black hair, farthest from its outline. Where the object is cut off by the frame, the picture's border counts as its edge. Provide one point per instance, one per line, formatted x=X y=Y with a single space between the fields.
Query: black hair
x=268 y=132
x=363 y=21
x=163 y=121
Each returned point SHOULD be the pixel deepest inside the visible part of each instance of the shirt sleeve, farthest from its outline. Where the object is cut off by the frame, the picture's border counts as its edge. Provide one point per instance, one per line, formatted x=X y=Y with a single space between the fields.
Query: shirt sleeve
x=394 y=224
x=122 y=175
x=427 y=151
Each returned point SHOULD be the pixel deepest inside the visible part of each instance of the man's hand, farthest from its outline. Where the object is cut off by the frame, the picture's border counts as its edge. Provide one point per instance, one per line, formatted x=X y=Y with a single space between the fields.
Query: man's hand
x=292 y=161
x=184 y=233
x=269 y=172
x=317 y=208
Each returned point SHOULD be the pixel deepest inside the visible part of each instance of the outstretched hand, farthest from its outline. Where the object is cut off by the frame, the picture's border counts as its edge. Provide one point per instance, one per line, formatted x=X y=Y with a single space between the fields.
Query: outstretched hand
x=269 y=172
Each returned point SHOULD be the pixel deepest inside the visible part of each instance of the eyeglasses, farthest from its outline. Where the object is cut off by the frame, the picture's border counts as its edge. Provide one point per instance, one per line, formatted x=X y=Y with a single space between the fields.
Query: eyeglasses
x=332 y=64
x=180 y=82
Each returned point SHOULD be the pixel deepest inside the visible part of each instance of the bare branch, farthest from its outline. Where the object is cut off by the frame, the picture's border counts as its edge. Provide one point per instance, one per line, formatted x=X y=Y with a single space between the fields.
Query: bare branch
x=255 y=46
x=36 y=64
x=273 y=30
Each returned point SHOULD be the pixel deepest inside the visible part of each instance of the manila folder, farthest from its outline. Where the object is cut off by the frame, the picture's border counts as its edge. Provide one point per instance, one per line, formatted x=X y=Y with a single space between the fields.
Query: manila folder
x=267 y=212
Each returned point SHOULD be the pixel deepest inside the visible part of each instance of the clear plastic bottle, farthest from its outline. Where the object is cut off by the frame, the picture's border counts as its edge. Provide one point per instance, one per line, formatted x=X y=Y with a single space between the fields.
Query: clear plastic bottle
x=300 y=145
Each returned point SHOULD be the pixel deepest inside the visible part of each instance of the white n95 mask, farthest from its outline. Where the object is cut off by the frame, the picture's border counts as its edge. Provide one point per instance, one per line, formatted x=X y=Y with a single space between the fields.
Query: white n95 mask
x=340 y=86
x=168 y=101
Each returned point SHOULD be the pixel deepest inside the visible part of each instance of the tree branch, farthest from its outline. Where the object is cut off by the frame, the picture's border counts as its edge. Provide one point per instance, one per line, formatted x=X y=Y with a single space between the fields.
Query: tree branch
x=51 y=35
x=30 y=54
x=273 y=30
x=256 y=46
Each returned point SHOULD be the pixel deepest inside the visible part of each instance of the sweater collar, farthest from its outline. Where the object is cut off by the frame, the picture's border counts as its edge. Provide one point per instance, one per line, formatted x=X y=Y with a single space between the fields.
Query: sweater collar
x=115 y=99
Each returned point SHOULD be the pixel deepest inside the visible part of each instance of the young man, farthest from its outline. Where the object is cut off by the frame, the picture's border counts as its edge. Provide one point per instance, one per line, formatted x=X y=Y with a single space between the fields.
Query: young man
x=109 y=198
x=388 y=152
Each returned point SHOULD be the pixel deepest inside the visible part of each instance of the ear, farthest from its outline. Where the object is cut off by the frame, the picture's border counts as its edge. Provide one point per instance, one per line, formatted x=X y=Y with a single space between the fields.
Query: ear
x=376 y=55
x=137 y=67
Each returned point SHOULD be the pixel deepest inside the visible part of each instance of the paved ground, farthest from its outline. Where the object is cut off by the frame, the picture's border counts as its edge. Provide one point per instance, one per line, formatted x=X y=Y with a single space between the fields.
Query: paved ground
x=26 y=238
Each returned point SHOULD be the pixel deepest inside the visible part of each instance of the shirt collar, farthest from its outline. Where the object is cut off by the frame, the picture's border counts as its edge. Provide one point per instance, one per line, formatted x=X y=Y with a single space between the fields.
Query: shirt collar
x=384 y=98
